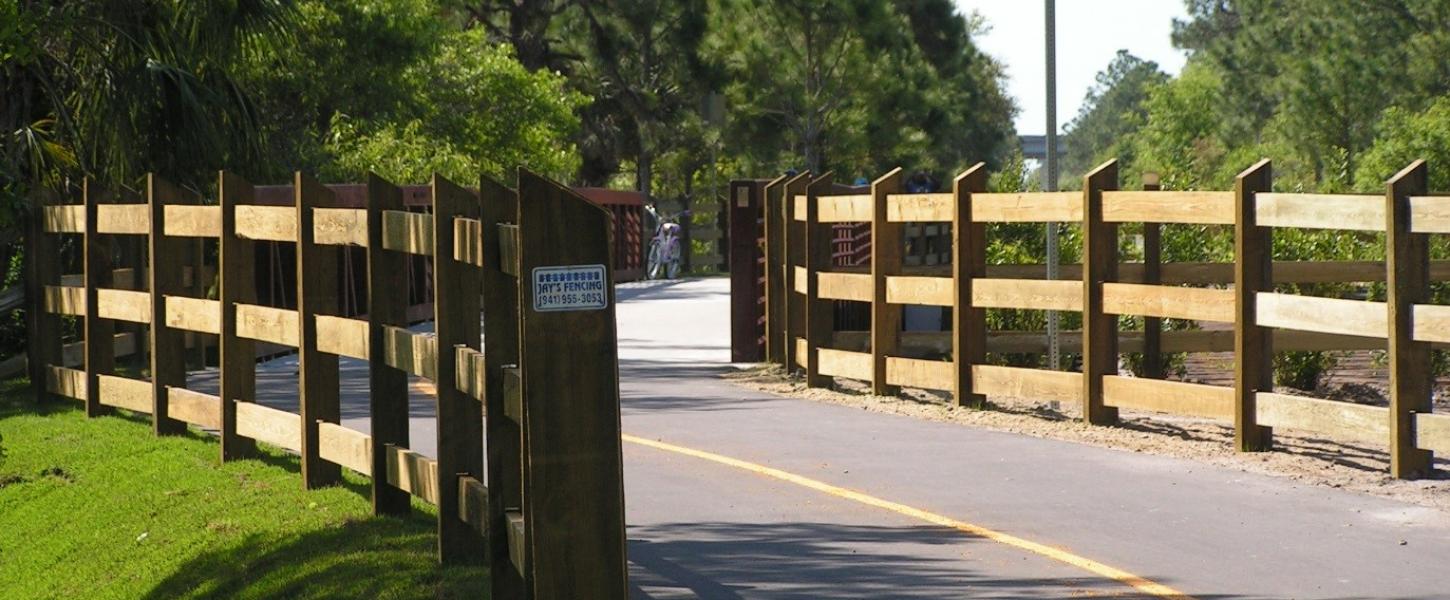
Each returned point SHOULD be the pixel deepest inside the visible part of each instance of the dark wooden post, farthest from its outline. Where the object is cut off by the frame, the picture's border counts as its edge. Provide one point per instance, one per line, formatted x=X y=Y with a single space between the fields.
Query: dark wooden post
x=1152 y=275
x=574 y=505
x=42 y=268
x=1100 y=264
x=236 y=260
x=969 y=261
x=387 y=306
x=819 y=314
x=775 y=289
x=460 y=416
x=795 y=256
x=746 y=209
x=500 y=206
x=886 y=260
x=1407 y=265
x=316 y=295
x=166 y=256
x=100 y=342
x=1253 y=273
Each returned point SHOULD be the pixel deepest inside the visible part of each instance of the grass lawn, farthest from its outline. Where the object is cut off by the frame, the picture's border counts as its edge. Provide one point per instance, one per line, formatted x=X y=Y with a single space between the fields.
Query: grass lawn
x=101 y=508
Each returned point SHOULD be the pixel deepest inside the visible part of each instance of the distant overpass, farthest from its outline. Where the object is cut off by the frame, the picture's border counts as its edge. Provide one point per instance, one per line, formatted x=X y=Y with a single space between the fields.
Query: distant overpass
x=1034 y=147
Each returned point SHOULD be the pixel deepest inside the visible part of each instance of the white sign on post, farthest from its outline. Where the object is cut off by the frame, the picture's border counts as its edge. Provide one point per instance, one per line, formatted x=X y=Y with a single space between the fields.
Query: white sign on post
x=574 y=287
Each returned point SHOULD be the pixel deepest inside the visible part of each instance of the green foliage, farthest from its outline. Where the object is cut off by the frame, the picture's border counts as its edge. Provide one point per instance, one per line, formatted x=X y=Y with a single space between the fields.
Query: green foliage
x=1405 y=136
x=101 y=508
x=1111 y=113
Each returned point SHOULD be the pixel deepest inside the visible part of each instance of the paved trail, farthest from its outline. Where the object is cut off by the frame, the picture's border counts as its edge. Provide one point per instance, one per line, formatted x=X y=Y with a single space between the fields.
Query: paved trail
x=738 y=494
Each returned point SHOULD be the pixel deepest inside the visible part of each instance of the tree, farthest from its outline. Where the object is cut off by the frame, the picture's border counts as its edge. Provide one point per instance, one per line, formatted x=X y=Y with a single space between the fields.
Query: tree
x=1112 y=112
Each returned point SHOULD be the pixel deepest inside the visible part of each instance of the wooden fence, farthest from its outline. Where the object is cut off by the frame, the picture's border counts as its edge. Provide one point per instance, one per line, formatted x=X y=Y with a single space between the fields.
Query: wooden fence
x=802 y=286
x=550 y=522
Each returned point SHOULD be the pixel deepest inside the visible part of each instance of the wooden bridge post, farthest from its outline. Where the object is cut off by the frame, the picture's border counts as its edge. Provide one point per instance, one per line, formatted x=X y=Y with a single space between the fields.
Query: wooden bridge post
x=886 y=261
x=500 y=205
x=574 y=497
x=166 y=256
x=1099 y=265
x=236 y=261
x=794 y=304
x=387 y=306
x=317 y=287
x=460 y=416
x=99 y=333
x=775 y=289
x=1407 y=273
x=969 y=261
x=819 y=314
x=42 y=266
x=1253 y=273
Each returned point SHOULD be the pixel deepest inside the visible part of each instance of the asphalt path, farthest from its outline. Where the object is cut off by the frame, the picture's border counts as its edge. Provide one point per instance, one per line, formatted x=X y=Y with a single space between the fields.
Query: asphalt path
x=732 y=493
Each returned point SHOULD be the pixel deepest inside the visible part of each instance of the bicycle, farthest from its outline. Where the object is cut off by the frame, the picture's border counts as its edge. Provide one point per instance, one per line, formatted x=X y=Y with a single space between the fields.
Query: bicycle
x=664 y=249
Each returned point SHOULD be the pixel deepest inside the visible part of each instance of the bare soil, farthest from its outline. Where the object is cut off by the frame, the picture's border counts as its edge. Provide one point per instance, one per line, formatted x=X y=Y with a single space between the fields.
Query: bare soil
x=1304 y=457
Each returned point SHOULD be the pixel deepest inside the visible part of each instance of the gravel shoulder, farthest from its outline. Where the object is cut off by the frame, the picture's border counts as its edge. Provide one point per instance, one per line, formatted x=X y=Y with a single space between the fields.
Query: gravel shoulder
x=1304 y=457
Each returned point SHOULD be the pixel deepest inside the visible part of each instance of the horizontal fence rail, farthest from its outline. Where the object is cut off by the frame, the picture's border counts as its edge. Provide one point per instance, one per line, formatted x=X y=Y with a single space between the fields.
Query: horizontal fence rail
x=802 y=287
x=546 y=533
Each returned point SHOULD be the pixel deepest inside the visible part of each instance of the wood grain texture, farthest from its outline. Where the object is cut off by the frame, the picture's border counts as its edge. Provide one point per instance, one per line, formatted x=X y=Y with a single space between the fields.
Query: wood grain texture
x=236 y=288
x=1253 y=273
x=123 y=305
x=183 y=220
x=345 y=447
x=917 y=373
x=1407 y=285
x=840 y=363
x=412 y=353
x=343 y=336
x=1027 y=294
x=1200 y=208
x=63 y=218
x=1100 y=265
x=65 y=300
x=1174 y=397
x=1322 y=315
x=456 y=289
x=468 y=241
x=1198 y=304
x=388 y=386
x=123 y=392
x=123 y=219
x=819 y=242
x=888 y=249
x=1429 y=214
x=903 y=208
x=794 y=256
x=317 y=294
x=42 y=271
x=411 y=472
x=841 y=286
x=1341 y=420
x=968 y=343
x=1432 y=432
x=197 y=408
x=1027 y=207
x=193 y=314
x=775 y=290
x=265 y=223
x=572 y=442
x=925 y=291
x=167 y=257
x=66 y=382
x=98 y=331
x=500 y=303
x=408 y=232
x=340 y=226
x=1017 y=382
x=1356 y=212
x=266 y=324
x=265 y=424
x=473 y=504
x=845 y=208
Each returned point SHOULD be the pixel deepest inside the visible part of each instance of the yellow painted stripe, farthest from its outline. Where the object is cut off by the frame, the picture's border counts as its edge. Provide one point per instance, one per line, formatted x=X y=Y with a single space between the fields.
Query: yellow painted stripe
x=1140 y=584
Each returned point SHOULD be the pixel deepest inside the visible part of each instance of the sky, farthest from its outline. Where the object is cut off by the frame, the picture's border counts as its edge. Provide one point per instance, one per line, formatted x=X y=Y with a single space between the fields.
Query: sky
x=1089 y=33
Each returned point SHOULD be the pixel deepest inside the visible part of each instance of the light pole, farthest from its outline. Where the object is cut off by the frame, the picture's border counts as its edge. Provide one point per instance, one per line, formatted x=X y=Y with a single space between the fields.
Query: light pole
x=1050 y=174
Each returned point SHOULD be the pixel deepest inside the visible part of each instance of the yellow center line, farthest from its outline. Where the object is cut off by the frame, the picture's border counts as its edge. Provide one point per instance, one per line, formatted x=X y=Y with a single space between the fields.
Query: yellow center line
x=1140 y=584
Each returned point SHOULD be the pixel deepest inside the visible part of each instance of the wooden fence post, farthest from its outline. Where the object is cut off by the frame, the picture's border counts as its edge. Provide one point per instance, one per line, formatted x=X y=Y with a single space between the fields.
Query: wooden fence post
x=165 y=257
x=387 y=306
x=500 y=300
x=969 y=261
x=42 y=266
x=460 y=416
x=574 y=507
x=775 y=271
x=886 y=260
x=794 y=307
x=1407 y=272
x=1152 y=275
x=819 y=314
x=1100 y=264
x=316 y=295
x=99 y=333
x=1253 y=273
x=236 y=261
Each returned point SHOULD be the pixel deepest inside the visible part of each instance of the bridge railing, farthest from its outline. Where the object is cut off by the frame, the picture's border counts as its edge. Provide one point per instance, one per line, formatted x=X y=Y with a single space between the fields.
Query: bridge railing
x=550 y=522
x=801 y=286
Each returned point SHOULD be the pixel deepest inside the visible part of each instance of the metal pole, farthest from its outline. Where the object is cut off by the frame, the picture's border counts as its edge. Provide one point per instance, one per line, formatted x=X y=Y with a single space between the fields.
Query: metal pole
x=1050 y=174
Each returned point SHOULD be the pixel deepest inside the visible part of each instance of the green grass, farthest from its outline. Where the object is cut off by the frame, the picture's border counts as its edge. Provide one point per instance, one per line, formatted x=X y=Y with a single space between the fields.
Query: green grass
x=101 y=508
